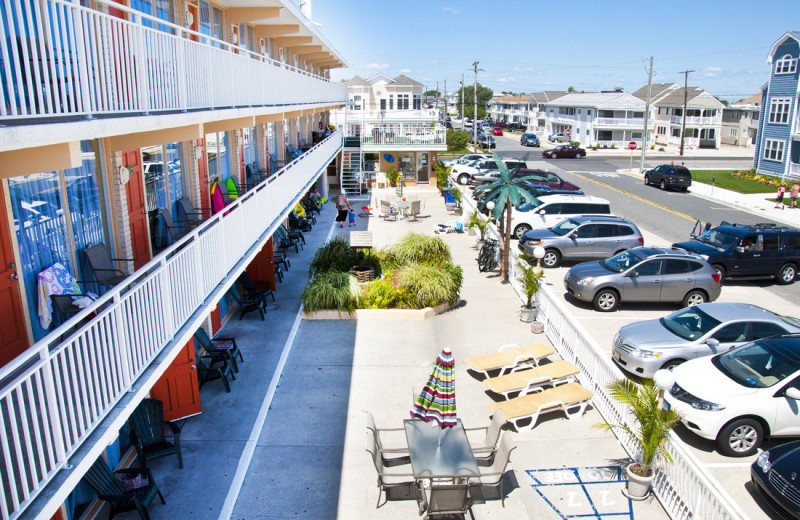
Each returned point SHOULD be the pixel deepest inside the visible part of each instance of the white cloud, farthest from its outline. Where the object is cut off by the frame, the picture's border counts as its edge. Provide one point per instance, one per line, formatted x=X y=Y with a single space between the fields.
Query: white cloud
x=451 y=10
x=713 y=69
x=710 y=75
x=379 y=66
x=405 y=71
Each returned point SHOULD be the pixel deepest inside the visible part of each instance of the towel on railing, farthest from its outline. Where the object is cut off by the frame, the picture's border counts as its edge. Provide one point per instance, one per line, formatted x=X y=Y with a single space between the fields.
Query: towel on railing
x=56 y=279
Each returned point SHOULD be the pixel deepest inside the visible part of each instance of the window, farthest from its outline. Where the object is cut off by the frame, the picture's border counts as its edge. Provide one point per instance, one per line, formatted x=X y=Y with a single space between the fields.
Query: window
x=786 y=65
x=779 y=110
x=651 y=268
x=732 y=333
x=773 y=150
x=356 y=102
x=638 y=114
x=604 y=135
x=417 y=101
x=566 y=111
x=585 y=231
x=391 y=101
x=636 y=135
x=383 y=104
x=676 y=132
x=734 y=132
x=677 y=111
x=402 y=101
x=765 y=330
x=661 y=130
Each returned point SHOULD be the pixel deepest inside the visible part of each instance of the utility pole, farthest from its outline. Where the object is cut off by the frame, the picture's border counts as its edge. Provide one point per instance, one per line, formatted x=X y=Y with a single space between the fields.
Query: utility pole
x=445 y=102
x=436 y=97
x=462 y=100
x=475 y=114
x=646 y=115
x=685 y=97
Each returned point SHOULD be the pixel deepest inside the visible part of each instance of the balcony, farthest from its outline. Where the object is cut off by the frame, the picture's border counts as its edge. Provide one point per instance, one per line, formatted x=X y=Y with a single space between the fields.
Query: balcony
x=400 y=136
x=620 y=122
x=696 y=120
x=65 y=401
x=100 y=65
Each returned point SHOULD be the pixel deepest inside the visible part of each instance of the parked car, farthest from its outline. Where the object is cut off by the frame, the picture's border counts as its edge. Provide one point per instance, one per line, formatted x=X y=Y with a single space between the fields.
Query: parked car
x=564 y=150
x=515 y=127
x=559 y=137
x=537 y=189
x=582 y=238
x=467 y=158
x=742 y=251
x=528 y=139
x=643 y=347
x=540 y=177
x=467 y=123
x=774 y=477
x=486 y=141
x=549 y=210
x=740 y=397
x=644 y=275
x=500 y=124
x=463 y=172
x=497 y=131
x=668 y=176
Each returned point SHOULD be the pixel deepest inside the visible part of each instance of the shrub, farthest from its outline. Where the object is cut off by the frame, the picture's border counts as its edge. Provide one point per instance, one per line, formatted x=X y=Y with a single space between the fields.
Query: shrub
x=335 y=255
x=613 y=146
x=391 y=176
x=387 y=293
x=457 y=275
x=457 y=140
x=661 y=149
x=431 y=285
x=331 y=291
x=476 y=221
x=442 y=175
x=415 y=248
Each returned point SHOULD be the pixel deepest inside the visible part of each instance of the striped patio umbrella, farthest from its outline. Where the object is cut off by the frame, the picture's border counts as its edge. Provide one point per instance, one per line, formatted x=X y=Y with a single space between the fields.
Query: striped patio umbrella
x=437 y=401
x=401 y=181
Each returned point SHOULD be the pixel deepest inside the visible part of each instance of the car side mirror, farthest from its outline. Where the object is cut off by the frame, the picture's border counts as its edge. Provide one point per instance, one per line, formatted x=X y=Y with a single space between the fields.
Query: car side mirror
x=739 y=249
x=712 y=342
x=793 y=393
x=540 y=212
x=633 y=274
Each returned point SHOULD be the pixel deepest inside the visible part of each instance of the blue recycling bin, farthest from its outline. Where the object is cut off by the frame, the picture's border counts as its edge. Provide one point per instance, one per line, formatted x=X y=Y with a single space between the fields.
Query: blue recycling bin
x=448 y=196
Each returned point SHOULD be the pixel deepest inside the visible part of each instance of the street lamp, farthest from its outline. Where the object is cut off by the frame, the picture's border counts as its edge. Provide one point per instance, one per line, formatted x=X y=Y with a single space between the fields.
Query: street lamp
x=538 y=253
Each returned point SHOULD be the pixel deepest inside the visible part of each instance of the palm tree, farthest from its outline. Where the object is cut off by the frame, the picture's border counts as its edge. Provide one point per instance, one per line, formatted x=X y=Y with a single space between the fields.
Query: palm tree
x=506 y=193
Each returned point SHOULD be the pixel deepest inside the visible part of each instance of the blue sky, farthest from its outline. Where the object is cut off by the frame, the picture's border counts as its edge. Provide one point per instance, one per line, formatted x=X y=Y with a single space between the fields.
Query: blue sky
x=533 y=46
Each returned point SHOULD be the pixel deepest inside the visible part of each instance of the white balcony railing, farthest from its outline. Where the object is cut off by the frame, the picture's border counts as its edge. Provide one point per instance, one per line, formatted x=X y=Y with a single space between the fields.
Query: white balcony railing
x=404 y=134
x=696 y=120
x=87 y=63
x=619 y=122
x=375 y=116
x=56 y=394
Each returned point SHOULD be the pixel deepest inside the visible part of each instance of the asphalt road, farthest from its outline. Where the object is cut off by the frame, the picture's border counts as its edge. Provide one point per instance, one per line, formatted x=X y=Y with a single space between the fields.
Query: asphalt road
x=669 y=215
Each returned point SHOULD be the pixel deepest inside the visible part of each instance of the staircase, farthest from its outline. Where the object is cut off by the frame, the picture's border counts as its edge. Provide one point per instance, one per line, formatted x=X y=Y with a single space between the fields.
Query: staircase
x=352 y=164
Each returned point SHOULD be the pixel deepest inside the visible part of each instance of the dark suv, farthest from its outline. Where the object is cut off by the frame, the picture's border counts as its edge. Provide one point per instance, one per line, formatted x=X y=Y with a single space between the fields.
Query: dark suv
x=668 y=176
x=529 y=140
x=742 y=251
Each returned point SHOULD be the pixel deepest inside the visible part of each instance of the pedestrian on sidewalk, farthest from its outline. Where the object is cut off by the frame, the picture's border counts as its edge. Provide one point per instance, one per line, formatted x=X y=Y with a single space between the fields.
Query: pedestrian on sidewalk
x=779 y=197
x=794 y=193
x=352 y=216
x=343 y=205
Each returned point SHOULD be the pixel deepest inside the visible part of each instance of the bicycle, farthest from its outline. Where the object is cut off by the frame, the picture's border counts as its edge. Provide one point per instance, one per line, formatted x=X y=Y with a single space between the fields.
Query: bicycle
x=487 y=259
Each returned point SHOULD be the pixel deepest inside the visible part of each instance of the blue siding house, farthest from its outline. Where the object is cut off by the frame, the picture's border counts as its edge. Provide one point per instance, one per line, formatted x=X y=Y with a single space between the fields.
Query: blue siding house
x=778 y=144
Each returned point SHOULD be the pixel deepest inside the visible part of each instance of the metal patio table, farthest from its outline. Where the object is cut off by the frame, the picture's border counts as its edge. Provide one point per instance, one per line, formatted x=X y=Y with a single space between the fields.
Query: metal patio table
x=452 y=460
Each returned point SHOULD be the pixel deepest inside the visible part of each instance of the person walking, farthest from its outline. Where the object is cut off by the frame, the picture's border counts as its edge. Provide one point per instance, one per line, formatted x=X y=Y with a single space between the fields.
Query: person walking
x=779 y=197
x=794 y=193
x=343 y=205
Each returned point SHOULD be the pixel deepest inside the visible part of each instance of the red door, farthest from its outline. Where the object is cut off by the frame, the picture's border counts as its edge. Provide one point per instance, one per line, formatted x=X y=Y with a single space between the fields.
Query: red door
x=262 y=268
x=13 y=336
x=137 y=209
x=178 y=388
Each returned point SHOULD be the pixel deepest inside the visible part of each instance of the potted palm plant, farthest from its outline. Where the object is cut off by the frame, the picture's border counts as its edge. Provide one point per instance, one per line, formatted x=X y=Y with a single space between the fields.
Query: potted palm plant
x=650 y=429
x=530 y=277
x=476 y=221
x=458 y=209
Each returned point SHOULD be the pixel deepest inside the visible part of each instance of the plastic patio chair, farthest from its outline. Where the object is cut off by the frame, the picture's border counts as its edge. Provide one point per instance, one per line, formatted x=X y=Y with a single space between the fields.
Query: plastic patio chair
x=251 y=288
x=222 y=347
x=248 y=303
x=207 y=369
x=110 y=490
x=147 y=432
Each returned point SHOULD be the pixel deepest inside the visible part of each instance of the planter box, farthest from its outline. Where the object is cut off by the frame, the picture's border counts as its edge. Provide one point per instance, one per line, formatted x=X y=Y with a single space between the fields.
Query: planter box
x=378 y=314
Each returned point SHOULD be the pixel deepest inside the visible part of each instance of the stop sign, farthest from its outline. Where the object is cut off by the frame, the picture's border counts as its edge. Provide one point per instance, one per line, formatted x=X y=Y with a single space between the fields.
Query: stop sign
x=632 y=145
x=568 y=131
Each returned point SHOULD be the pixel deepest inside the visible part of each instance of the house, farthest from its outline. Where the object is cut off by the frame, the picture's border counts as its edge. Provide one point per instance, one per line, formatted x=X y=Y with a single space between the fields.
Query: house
x=597 y=118
x=114 y=116
x=510 y=109
x=536 y=117
x=386 y=126
x=778 y=142
x=703 y=115
x=740 y=122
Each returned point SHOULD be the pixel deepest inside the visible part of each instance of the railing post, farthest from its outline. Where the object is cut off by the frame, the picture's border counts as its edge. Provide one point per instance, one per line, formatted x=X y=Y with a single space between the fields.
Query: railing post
x=48 y=380
x=120 y=338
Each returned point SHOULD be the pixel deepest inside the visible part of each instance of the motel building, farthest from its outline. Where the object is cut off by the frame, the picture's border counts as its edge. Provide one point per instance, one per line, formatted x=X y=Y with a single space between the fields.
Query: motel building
x=177 y=135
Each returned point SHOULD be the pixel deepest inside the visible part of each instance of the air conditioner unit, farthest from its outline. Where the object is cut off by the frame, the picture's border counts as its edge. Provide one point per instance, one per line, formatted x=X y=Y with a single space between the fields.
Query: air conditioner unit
x=233 y=35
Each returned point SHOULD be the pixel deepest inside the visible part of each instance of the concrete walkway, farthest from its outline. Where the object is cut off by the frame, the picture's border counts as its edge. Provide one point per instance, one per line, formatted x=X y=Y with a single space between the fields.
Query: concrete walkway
x=290 y=443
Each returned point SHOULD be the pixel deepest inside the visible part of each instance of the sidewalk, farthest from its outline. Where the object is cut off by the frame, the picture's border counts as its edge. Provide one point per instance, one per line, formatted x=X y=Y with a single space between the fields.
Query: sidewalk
x=288 y=442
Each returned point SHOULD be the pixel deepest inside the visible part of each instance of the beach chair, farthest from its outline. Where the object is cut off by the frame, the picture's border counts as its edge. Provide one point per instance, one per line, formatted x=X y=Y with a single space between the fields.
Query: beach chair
x=570 y=398
x=508 y=357
x=524 y=381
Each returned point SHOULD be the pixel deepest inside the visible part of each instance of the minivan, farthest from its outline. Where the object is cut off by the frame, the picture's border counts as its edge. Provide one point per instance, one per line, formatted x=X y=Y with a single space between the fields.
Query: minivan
x=548 y=210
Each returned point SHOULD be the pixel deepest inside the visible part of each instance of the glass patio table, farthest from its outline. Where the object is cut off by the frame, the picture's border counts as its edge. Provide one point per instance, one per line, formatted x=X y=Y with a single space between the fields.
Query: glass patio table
x=452 y=460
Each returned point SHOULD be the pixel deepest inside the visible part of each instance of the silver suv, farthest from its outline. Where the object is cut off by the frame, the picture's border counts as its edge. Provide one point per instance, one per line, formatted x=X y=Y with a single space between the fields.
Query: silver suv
x=644 y=275
x=582 y=238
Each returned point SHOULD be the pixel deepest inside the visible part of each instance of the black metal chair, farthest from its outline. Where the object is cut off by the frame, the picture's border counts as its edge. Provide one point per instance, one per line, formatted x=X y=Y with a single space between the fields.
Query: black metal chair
x=109 y=489
x=193 y=216
x=147 y=433
x=102 y=265
x=174 y=233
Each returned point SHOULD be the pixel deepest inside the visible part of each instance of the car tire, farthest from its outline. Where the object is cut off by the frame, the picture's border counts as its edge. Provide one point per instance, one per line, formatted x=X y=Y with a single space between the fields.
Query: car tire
x=647 y=180
x=684 y=190
x=695 y=297
x=551 y=258
x=554 y=155
x=720 y=271
x=787 y=274
x=606 y=300
x=740 y=437
x=663 y=185
x=521 y=230
x=672 y=363
x=463 y=179
x=578 y=156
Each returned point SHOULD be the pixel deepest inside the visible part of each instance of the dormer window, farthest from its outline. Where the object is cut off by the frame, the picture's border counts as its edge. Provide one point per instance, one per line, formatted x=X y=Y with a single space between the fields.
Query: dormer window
x=786 y=65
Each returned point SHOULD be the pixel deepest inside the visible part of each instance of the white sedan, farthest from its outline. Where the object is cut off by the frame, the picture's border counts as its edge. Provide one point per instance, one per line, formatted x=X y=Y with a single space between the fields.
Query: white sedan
x=742 y=396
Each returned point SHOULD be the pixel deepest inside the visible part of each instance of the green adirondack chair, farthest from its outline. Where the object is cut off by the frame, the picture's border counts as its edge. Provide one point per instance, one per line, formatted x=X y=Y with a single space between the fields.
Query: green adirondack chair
x=223 y=347
x=108 y=488
x=207 y=369
x=147 y=433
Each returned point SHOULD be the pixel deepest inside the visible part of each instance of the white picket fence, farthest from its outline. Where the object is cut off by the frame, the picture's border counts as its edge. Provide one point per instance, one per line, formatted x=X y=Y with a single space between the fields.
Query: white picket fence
x=684 y=488
x=55 y=395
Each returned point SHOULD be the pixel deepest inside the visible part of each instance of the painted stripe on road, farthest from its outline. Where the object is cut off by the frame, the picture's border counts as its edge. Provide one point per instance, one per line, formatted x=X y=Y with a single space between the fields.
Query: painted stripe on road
x=633 y=196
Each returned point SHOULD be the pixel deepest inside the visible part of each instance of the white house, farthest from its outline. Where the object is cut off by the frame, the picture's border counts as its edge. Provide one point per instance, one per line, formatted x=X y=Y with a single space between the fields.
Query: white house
x=740 y=122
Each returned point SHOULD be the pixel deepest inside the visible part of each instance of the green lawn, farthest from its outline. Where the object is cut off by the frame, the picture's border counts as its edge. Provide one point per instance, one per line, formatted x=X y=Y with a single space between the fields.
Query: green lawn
x=728 y=182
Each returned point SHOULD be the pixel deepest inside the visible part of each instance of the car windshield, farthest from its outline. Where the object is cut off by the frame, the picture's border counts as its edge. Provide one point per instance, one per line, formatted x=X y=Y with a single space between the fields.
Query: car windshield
x=689 y=323
x=755 y=366
x=717 y=238
x=564 y=227
x=621 y=262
